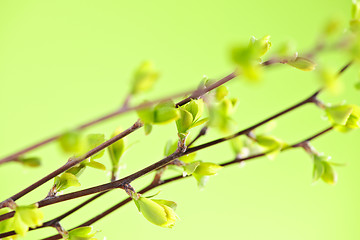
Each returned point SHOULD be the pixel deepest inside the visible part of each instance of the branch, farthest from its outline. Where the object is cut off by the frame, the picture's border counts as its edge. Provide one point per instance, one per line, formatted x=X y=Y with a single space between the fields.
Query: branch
x=176 y=178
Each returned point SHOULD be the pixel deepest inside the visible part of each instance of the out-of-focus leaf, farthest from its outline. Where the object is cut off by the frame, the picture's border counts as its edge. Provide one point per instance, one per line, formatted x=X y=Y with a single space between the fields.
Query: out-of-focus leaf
x=302 y=63
x=144 y=78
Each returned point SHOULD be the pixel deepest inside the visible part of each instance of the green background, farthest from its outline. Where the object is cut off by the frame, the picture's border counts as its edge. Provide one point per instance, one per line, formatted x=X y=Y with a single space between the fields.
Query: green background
x=65 y=62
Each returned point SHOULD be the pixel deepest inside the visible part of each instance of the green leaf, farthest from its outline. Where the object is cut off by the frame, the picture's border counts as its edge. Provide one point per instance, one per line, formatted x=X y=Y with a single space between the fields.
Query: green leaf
x=94 y=140
x=355 y=9
x=195 y=107
x=201 y=180
x=339 y=114
x=166 y=113
x=184 y=123
x=168 y=203
x=71 y=142
x=329 y=176
x=27 y=216
x=96 y=165
x=318 y=170
x=147 y=128
x=188 y=158
x=30 y=161
x=117 y=149
x=82 y=233
x=207 y=169
x=144 y=78
x=303 y=64
x=221 y=92
x=191 y=167
x=65 y=181
x=271 y=144
x=146 y=115
x=237 y=145
x=77 y=170
x=331 y=80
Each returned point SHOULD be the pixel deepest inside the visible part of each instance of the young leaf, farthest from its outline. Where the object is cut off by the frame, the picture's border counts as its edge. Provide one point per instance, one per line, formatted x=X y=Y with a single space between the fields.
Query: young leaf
x=96 y=165
x=144 y=78
x=30 y=161
x=65 y=181
x=329 y=176
x=184 y=123
x=116 y=150
x=165 y=114
x=82 y=233
x=318 y=170
x=71 y=142
x=146 y=115
x=25 y=217
x=207 y=169
x=221 y=92
x=339 y=114
x=190 y=168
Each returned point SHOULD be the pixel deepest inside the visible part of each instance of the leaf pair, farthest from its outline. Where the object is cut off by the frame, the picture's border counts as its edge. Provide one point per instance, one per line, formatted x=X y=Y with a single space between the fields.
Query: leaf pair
x=190 y=115
x=324 y=169
x=220 y=114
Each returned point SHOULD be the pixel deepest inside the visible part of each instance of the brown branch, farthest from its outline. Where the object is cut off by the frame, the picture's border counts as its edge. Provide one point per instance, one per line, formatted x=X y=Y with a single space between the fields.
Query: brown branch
x=152 y=186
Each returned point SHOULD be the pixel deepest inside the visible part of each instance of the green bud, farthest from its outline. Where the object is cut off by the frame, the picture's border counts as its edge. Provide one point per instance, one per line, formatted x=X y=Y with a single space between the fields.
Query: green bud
x=30 y=162
x=332 y=26
x=286 y=49
x=260 y=46
x=117 y=149
x=355 y=9
x=221 y=92
x=144 y=78
x=157 y=212
x=331 y=80
x=25 y=217
x=147 y=128
x=270 y=144
x=323 y=169
x=303 y=64
x=318 y=169
x=82 y=233
x=71 y=142
x=65 y=181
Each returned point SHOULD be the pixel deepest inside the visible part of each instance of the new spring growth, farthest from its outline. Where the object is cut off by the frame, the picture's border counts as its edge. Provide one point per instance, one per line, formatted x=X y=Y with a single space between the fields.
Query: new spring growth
x=82 y=233
x=190 y=115
x=162 y=113
x=355 y=16
x=201 y=171
x=248 y=58
x=157 y=211
x=27 y=217
x=323 y=169
x=116 y=150
x=144 y=78
x=344 y=117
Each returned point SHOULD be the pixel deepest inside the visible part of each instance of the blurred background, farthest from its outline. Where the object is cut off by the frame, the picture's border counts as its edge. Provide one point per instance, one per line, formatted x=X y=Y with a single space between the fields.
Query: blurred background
x=63 y=63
